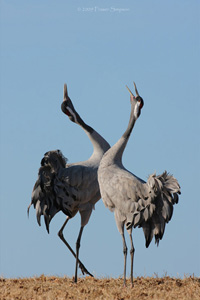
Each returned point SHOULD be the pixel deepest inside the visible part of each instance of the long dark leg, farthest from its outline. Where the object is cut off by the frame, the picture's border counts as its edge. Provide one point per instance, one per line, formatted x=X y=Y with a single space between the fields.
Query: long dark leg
x=78 y=244
x=132 y=251
x=60 y=234
x=125 y=256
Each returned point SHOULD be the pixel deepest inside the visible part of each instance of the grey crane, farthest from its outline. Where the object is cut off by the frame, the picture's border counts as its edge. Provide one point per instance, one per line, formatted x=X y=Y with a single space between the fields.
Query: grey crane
x=136 y=203
x=69 y=188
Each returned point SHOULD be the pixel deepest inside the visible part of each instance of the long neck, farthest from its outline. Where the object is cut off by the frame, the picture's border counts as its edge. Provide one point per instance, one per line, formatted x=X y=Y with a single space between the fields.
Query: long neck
x=115 y=153
x=100 y=145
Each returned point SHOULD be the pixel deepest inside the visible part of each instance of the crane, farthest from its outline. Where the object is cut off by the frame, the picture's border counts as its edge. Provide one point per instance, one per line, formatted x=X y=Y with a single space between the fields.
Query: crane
x=136 y=203
x=69 y=188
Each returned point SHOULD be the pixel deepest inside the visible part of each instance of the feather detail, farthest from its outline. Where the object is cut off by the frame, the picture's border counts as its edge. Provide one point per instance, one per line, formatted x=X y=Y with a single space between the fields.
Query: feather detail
x=163 y=193
x=49 y=189
x=153 y=212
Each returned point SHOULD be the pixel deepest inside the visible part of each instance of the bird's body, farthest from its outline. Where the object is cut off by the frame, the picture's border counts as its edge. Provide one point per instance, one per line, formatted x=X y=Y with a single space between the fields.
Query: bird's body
x=135 y=202
x=120 y=179
x=69 y=188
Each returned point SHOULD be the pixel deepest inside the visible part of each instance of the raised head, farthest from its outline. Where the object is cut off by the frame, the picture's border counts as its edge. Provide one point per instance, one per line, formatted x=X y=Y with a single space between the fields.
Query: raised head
x=67 y=106
x=136 y=101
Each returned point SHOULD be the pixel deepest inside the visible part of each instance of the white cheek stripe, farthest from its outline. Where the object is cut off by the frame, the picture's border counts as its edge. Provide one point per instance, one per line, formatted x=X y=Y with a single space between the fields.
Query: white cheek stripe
x=136 y=110
x=72 y=113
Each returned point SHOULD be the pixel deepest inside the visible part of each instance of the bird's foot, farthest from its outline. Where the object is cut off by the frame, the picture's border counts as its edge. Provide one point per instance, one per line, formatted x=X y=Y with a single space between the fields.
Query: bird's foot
x=84 y=270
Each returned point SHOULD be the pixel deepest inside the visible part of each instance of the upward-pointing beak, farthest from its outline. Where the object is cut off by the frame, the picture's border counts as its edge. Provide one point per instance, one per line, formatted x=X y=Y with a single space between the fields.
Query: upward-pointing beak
x=65 y=93
x=136 y=91
x=130 y=92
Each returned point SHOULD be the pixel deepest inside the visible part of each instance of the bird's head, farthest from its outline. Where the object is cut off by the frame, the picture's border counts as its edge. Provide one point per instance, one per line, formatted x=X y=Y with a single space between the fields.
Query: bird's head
x=136 y=101
x=67 y=106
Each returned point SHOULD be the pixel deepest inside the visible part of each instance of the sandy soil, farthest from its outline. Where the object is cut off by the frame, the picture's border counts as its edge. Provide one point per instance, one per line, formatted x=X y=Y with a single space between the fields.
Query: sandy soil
x=54 y=288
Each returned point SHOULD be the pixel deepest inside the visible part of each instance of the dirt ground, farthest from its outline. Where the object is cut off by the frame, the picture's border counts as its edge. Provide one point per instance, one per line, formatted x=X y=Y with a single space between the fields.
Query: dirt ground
x=57 y=288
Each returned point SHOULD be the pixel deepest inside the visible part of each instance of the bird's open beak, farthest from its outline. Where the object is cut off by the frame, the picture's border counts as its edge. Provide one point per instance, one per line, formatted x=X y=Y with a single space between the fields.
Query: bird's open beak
x=136 y=91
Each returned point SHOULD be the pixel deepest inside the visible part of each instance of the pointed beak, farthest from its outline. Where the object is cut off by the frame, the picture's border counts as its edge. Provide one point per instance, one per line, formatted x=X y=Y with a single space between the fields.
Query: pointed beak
x=130 y=92
x=136 y=91
x=65 y=93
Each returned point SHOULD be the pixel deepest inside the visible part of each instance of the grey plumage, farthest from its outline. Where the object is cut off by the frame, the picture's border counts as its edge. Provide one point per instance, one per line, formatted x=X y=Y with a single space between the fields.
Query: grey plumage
x=136 y=203
x=69 y=188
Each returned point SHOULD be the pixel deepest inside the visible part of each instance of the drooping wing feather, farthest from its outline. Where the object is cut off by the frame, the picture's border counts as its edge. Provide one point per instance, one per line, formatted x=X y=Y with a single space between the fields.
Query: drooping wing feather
x=64 y=187
x=143 y=204
x=51 y=193
x=154 y=212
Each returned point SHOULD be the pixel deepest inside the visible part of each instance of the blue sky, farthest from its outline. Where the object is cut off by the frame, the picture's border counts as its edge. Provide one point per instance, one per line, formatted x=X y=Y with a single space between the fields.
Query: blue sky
x=97 y=50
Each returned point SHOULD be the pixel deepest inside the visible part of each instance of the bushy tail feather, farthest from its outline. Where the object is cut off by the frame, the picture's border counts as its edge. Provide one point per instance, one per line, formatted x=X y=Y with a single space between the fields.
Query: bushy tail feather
x=156 y=209
x=43 y=195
